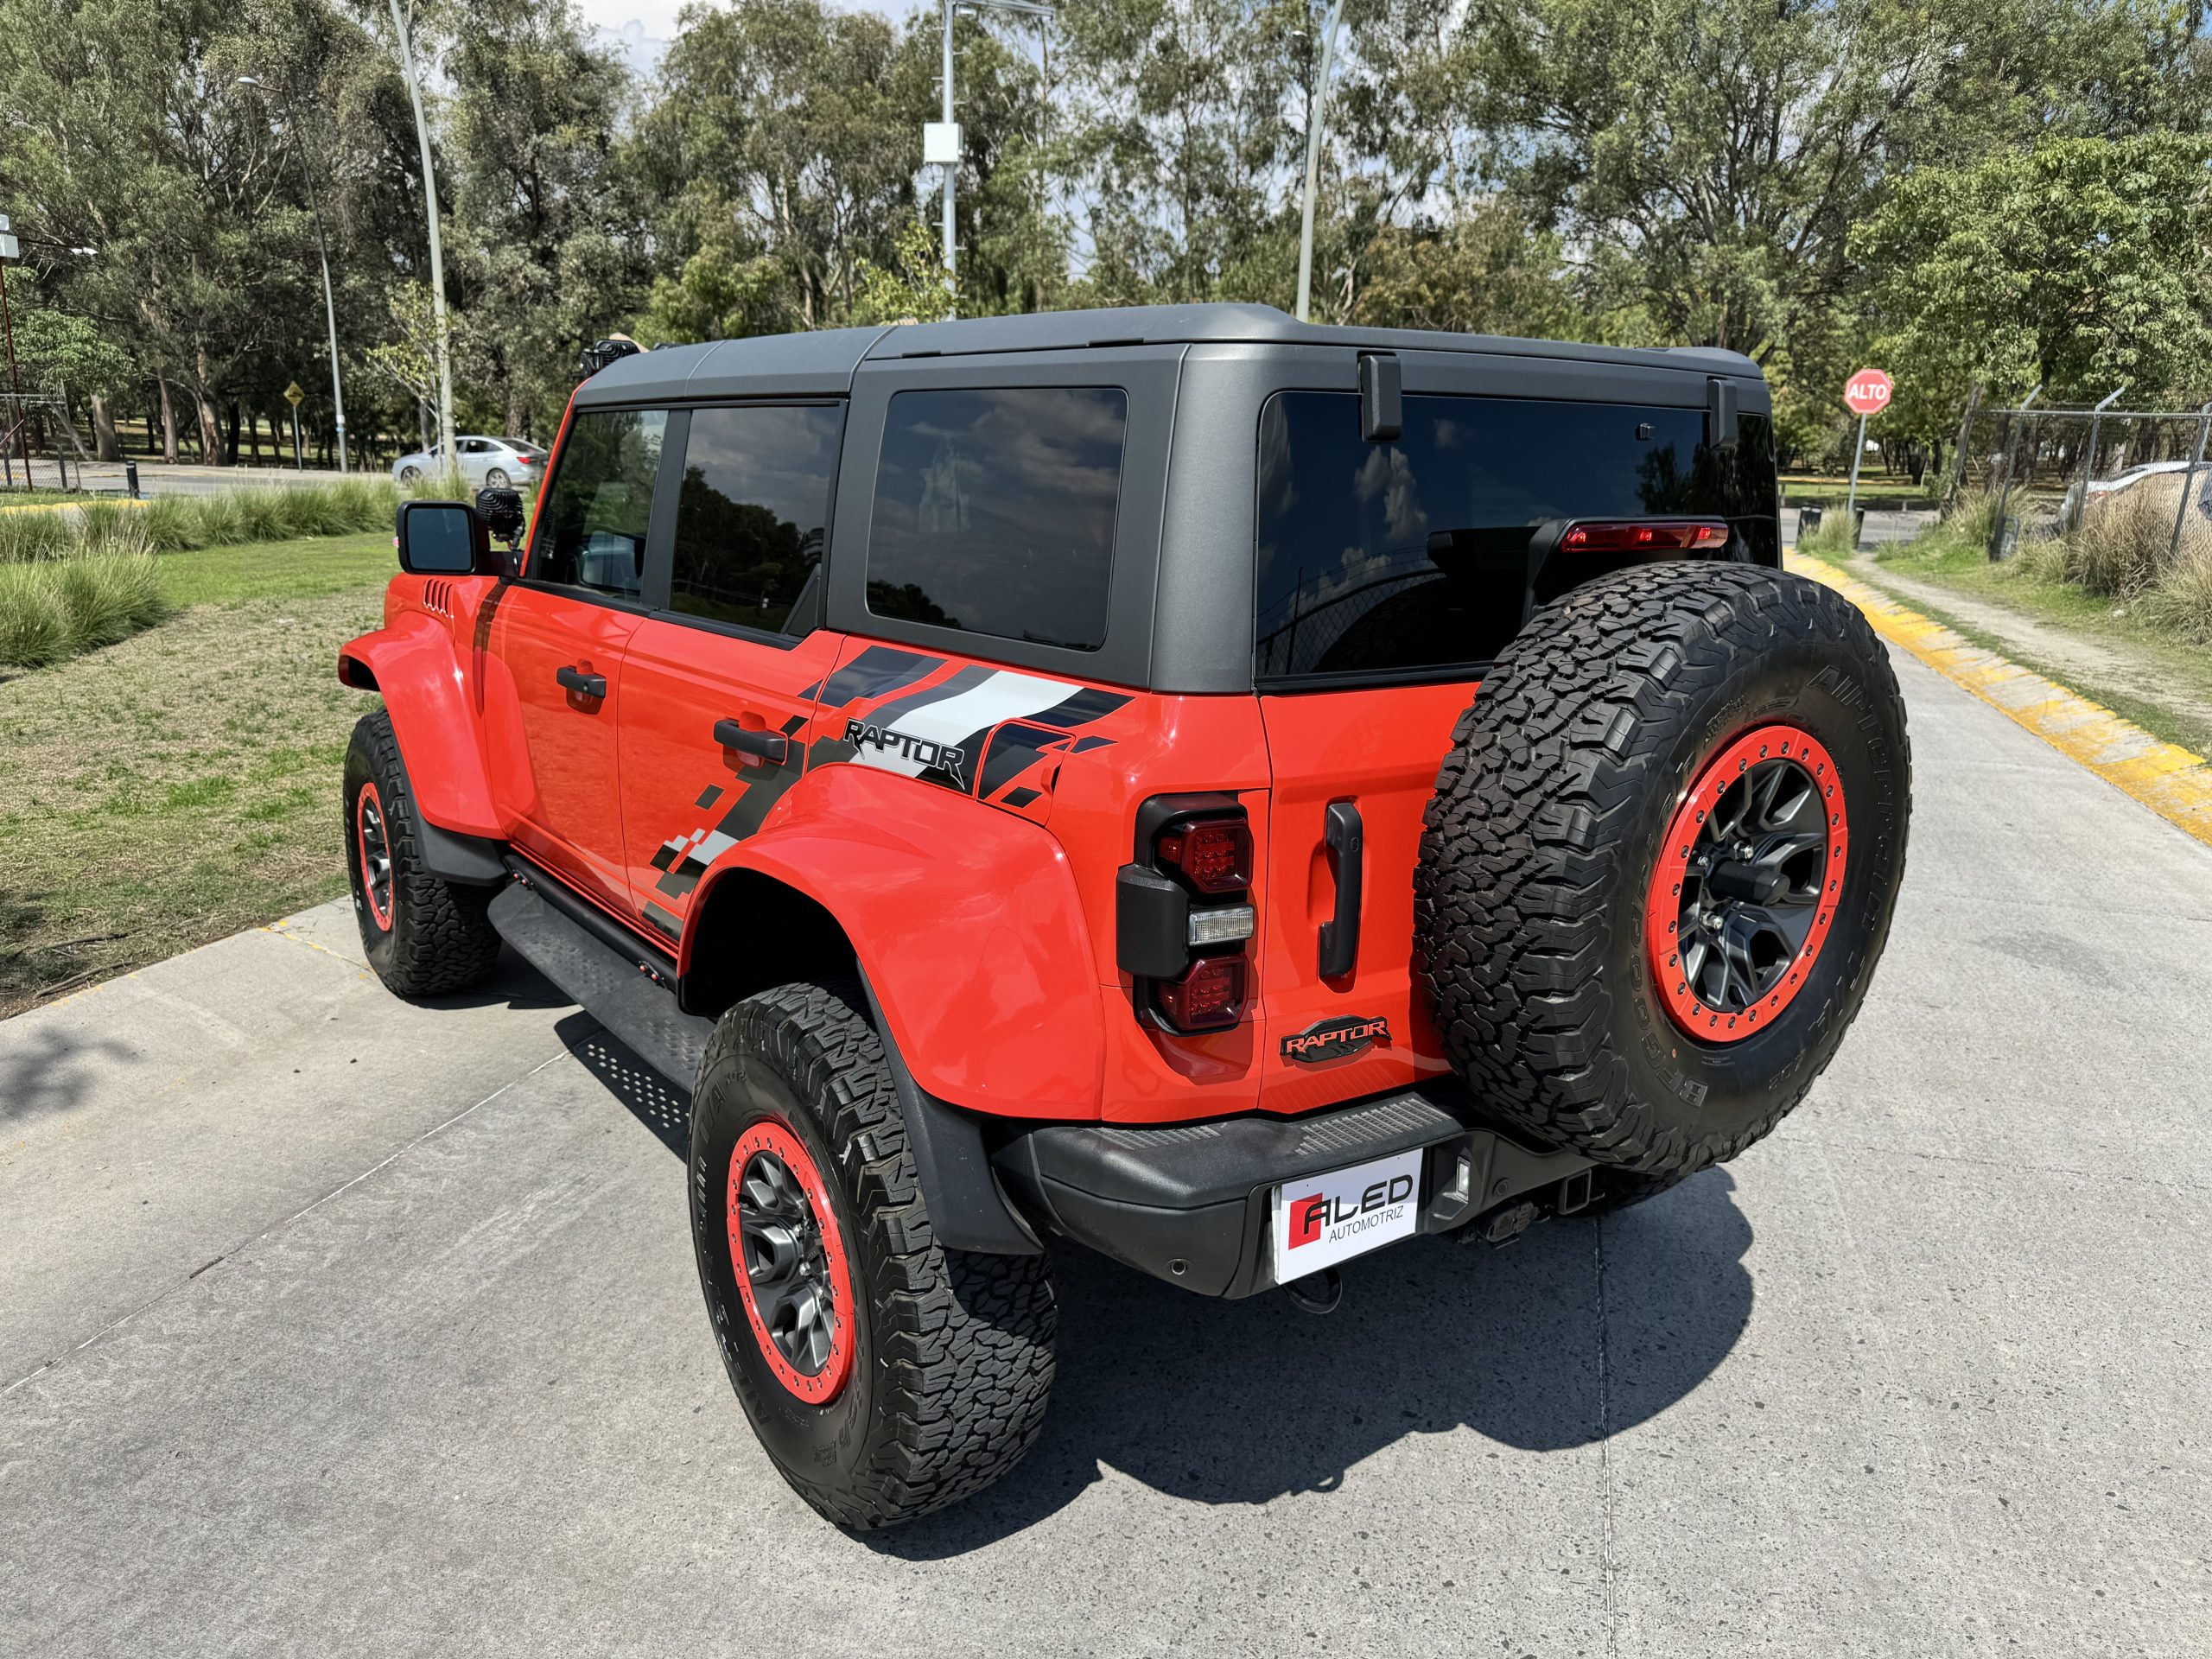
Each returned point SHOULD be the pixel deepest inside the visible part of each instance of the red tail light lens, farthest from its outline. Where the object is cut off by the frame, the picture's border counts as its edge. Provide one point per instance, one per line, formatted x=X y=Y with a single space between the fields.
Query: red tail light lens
x=1209 y=997
x=1212 y=854
x=1645 y=537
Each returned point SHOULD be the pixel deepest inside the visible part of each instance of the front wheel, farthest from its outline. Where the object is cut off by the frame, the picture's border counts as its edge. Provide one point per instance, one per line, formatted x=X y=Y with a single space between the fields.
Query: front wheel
x=886 y=1375
x=424 y=936
x=410 y=475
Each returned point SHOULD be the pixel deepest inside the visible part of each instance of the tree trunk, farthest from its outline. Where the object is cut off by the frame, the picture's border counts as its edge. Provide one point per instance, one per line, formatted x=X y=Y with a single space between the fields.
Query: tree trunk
x=211 y=452
x=230 y=443
x=168 y=425
x=106 y=446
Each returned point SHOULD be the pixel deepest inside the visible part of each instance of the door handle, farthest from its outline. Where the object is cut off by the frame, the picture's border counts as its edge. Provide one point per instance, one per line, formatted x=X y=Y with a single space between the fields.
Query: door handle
x=773 y=747
x=1340 y=934
x=583 y=685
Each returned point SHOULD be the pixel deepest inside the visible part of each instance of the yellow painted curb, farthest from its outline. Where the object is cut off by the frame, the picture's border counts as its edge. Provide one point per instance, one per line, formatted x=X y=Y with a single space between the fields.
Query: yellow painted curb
x=2171 y=781
x=71 y=506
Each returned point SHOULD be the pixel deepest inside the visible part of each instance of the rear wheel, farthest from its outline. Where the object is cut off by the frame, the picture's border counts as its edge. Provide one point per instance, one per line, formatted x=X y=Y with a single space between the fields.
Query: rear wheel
x=886 y=1375
x=1660 y=862
x=496 y=479
x=423 y=936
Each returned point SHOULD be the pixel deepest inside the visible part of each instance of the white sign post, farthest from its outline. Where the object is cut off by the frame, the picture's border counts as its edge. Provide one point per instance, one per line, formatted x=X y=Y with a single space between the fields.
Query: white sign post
x=1866 y=392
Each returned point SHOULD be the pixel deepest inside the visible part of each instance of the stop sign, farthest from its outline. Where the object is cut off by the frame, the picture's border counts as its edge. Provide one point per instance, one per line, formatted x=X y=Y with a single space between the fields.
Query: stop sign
x=1867 y=392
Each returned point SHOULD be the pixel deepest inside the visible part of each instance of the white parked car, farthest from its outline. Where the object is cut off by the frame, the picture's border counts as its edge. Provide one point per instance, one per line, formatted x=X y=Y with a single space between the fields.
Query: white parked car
x=485 y=463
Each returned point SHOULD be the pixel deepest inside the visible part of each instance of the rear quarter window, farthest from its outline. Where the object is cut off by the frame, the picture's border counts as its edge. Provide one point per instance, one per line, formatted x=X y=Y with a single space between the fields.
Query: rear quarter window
x=1411 y=557
x=994 y=511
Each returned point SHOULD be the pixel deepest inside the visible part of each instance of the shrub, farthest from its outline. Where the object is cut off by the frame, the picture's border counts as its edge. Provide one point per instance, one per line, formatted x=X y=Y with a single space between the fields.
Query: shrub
x=2123 y=540
x=108 y=596
x=34 y=534
x=34 y=623
x=90 y=597
x=1972 y=517
x=2181 y=600
x=172 y=525
x=1834 y=539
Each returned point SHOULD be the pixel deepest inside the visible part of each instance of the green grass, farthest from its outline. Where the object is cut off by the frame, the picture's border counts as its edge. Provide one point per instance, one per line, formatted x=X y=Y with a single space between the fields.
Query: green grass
x=308 y=567
x=182 y=783
x=2150 y=625
x=70 y=583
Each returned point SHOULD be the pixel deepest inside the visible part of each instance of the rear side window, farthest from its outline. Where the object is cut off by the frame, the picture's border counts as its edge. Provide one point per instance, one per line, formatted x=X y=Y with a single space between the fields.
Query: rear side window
x=750 y=516
x=591 y=530
x=994 y=511
x=1413 y=556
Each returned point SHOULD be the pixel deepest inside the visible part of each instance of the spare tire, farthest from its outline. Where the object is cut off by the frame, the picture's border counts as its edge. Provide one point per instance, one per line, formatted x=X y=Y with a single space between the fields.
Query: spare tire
x=1660 y=860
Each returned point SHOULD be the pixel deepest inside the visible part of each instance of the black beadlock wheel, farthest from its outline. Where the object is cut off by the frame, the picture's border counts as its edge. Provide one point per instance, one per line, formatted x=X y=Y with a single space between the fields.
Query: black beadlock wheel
x=423 y=936
x=886 y=1375
x=1661 y=862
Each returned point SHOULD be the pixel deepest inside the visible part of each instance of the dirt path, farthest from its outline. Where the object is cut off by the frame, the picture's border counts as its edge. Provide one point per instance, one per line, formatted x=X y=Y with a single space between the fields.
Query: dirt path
x=2089 y=665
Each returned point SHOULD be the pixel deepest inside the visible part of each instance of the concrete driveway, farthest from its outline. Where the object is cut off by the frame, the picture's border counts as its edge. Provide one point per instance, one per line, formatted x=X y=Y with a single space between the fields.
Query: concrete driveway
x=329 y=1323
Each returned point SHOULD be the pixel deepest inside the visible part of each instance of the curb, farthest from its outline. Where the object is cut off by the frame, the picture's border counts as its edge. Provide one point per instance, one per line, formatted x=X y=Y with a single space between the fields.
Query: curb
x=2171 y=781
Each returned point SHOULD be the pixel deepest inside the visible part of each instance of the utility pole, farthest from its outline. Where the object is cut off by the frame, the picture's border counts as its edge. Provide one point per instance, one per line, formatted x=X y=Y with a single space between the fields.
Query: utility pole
x=329 y=303
x=437 y=260
x=941 y=139
x=9 y=249
x=1313 y=125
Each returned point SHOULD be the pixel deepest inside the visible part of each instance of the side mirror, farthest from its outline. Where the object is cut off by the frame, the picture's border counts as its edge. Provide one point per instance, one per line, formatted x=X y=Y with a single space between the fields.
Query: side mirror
x=442 y=539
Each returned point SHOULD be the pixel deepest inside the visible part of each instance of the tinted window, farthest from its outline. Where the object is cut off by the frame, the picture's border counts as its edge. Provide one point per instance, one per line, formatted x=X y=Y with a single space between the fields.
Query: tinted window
x=749 y=519
x=1376 y=558
x=994 y=512
x=591 y=532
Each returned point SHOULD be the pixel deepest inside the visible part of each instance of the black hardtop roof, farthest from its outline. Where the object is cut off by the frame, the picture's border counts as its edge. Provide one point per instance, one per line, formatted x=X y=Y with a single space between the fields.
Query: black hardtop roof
x=823 y=363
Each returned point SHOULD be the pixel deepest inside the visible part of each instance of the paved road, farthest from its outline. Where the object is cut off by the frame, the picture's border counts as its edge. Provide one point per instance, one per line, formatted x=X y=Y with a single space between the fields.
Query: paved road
x=330 y=1324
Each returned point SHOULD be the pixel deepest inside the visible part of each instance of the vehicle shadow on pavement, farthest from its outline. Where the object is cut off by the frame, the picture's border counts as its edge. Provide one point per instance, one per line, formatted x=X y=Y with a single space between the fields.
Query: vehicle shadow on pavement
x=1575 y=1332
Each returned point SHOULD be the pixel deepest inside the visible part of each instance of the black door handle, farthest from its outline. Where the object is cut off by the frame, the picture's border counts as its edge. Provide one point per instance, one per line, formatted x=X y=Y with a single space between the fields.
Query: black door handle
x=583 y=685
x=1340 y=935
x=773 y=747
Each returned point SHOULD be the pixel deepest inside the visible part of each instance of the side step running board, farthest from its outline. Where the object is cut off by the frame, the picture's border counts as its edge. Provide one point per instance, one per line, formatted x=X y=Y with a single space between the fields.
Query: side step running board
x=613 y=990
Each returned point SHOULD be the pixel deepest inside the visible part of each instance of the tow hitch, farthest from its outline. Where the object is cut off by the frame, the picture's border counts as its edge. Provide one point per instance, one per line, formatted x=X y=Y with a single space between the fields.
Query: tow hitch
x=1317 y=1293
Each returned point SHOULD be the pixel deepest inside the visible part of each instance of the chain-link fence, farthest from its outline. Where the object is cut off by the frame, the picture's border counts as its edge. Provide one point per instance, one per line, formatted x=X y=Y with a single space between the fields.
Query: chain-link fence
x=2045 y=472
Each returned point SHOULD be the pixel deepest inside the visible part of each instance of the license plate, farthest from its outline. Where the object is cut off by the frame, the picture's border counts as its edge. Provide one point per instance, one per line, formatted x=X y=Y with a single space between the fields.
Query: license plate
x=1320 y=1220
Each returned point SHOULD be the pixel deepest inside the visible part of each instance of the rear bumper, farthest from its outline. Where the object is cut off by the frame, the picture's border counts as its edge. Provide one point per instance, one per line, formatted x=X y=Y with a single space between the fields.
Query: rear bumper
x=1192 y=1203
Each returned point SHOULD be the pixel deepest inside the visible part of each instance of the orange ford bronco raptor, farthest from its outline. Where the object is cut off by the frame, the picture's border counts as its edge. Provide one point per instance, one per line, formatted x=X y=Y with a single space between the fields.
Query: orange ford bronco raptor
x=1233 y=794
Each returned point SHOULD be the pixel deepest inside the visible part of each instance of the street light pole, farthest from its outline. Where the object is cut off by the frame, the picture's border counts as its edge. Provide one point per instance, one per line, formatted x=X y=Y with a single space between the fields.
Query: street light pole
x=329 y=301
x=1026 y=8
x=437 y=258
x=950 y=167
x=1314 y=126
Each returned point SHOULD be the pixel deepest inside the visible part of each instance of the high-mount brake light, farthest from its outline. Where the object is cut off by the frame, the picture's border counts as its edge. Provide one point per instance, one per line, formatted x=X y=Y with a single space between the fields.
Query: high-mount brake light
x=1212 y=854
x=1208 y=997
x=1645 y=536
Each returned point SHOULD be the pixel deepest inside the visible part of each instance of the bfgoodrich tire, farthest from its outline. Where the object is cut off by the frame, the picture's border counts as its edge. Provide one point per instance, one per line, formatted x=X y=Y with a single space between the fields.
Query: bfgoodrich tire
x=1660 y=862
x=886 y=1375
x=423 y=936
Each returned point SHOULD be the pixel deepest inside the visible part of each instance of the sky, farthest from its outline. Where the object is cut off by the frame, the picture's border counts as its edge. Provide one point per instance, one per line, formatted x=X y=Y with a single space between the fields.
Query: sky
x=643 y=28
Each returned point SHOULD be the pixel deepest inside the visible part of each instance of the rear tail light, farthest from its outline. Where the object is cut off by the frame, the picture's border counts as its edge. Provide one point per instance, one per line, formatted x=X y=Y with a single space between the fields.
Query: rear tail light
x=1183 y=916
x=1213 y=855
x=1210 y=996
x=1645 y=536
